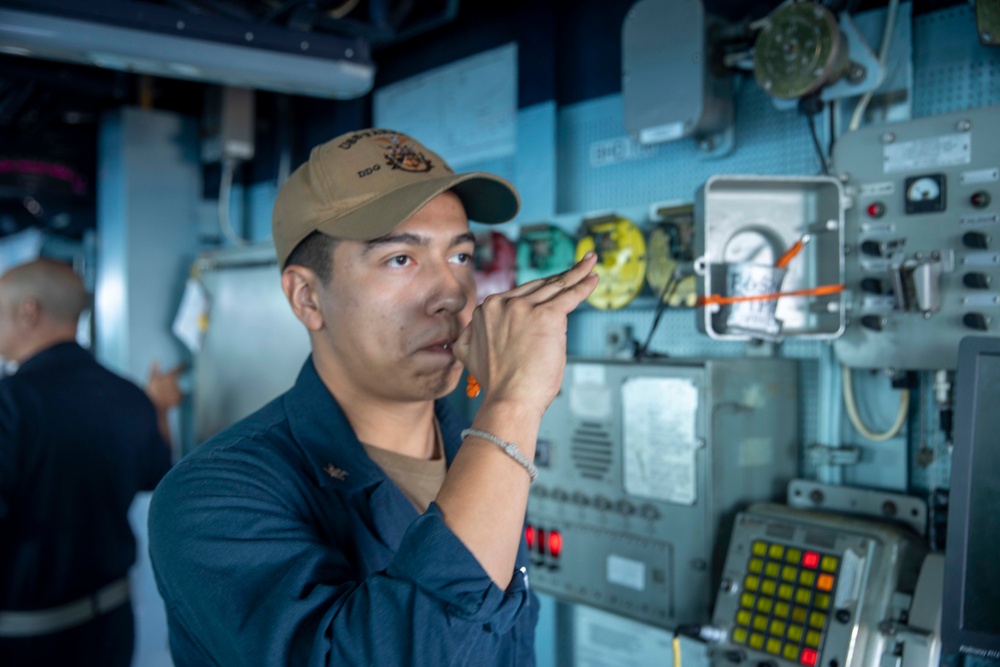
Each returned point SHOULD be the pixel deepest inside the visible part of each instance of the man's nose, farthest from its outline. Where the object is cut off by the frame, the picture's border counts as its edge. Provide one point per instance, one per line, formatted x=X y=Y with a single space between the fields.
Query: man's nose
x=453 y=288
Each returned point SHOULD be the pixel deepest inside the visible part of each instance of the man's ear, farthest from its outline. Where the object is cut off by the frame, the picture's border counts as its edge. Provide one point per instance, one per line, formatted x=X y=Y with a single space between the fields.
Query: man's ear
x=301 y=287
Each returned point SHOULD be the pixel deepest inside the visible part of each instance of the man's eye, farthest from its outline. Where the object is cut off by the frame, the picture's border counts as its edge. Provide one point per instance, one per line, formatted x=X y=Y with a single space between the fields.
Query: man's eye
x=399 y=260
x=463 y=258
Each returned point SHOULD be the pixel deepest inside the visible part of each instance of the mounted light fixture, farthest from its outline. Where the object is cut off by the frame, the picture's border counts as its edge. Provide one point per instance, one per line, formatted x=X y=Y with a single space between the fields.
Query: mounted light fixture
x=150 y=39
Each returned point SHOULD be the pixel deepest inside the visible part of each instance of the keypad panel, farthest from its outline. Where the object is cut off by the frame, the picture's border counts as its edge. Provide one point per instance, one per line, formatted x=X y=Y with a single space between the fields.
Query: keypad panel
x=786 y=601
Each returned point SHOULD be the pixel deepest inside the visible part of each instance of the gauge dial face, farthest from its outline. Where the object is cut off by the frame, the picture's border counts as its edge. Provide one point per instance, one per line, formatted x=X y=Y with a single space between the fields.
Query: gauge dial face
x=661 y=264
x=799 y=51
x=621 y=262
x=923 y=189
x=542 y=252
x=750 y=246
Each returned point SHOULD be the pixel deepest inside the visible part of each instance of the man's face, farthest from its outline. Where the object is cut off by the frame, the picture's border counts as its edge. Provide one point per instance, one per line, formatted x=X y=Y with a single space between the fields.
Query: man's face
x=394 y=306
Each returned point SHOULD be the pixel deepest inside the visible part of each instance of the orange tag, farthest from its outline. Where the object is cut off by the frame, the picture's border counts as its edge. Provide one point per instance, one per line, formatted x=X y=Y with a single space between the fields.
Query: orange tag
x=472 y=389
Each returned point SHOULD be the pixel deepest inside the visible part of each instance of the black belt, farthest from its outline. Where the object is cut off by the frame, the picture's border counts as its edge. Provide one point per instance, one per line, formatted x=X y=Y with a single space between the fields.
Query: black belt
x=78 y=612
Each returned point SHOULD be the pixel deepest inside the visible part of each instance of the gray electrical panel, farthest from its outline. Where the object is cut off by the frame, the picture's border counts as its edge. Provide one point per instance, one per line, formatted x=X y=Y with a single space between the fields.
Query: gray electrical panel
x=642 y=468
x=922 y=249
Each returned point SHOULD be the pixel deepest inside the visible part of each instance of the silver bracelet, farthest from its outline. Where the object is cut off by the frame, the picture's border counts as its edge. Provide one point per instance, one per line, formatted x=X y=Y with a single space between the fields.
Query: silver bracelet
x=509 y=448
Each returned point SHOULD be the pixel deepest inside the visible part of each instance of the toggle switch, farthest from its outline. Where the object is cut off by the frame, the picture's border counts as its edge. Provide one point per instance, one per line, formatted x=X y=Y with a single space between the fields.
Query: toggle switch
x=976 y=321
x=976 y=280
x=873 y=322
x=873 y=286
x=976 y=240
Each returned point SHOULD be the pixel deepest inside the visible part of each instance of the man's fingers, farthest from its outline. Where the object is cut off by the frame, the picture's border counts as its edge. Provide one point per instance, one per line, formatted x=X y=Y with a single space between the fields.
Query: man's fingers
x=574 y=274
x=461 y=347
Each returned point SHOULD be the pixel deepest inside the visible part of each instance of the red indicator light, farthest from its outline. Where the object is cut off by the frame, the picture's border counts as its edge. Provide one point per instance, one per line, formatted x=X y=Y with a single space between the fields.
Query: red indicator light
x=555 y=543
x=980 y=199
x=808 y=657
x=541 y=540
x=529 y=537
x=876 y=210
x=810 y=560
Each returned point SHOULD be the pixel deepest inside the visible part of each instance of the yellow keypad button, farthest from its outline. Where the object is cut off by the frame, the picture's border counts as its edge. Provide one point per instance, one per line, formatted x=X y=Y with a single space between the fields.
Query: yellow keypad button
x=795 y=633
x=772 y=569
x=788 y=573
x=825 y=582
x=777 y=627
x=793 y=555
x=776 y=551
x=785 y=591
x=764 y=605
x=791 y=652
x=817 y=619
x=756 y=565
x=746 y=600
x=822 y=601
x=773 y=646
x=743 y=617
x=751 y=582
x=756 y=640
x=760 y=623
x=759 y=548
x=781 y=610
x=740 y=636
x=803 y=596
x=768 y=587
x=799 y=614
x=828 y=564
x=807 y=578
x=812 y=639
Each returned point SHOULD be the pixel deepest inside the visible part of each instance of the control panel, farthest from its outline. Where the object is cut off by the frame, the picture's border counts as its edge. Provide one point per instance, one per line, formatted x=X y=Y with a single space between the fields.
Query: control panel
x=922 y=239
x=642 y=468
x=810 y=589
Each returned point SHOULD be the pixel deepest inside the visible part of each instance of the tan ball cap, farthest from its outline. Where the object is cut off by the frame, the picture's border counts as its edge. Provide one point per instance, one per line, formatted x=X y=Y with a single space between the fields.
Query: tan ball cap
x=362 y=185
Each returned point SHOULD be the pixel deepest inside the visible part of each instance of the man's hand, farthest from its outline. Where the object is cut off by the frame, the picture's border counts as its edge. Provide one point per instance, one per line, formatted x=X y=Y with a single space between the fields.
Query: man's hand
x=163 y=389
x=515 y=345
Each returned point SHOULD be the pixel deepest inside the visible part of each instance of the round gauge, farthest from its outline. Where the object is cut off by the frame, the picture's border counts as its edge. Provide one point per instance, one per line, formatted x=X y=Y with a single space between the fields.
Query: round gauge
x=750 y=246
x=621 y=261
x=799 y=51
x=923 y=189
x=661 y=263
x=494 y=264
x=543 y=251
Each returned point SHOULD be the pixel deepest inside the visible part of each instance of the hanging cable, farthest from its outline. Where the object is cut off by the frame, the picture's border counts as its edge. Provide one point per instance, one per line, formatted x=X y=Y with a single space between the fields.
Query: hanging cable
x=883 y=58
x=855 y=416
x=225 y=193
x=666 y=294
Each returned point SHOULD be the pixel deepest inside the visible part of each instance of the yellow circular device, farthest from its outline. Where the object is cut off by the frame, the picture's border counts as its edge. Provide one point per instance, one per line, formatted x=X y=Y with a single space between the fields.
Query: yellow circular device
x=621 y=261
x=662 y=262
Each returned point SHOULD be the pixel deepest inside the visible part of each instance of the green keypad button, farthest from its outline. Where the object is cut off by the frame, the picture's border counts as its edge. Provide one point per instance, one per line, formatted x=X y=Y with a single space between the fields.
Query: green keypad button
x=773 y=646
x=822 y=601
x=788 y=573
x=768 y=587
x=795 y=633
x=751 y=582
x=777 y=628
x=746 y=600
x=756 y=565
x=799 y=614
x=743 y=617
x=776 y=551
x=812 y=639
x=791 y=652
x=785 y=591
x=772 y=569
x=781 y=610
x=764 y=605
x=759 y=548
x=756 y=640
x=828 y=564
x=803 y=596
x=740 y=635
x=793 y=555
x=807 y=578
x=760 y=623
x=817 y=619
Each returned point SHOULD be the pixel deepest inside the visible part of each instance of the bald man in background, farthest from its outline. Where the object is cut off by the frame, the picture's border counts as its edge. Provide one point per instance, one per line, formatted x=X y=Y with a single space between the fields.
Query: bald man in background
x=77 y=442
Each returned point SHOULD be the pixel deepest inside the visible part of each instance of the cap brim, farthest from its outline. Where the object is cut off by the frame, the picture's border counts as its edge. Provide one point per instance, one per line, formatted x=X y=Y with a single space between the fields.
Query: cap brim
x=487 y=198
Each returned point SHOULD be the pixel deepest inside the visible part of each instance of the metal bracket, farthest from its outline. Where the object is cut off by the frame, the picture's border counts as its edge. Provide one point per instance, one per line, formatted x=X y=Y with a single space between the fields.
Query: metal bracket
x=884 y=505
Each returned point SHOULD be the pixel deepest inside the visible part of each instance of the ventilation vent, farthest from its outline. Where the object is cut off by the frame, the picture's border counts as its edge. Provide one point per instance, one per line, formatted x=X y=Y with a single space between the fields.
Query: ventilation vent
x=592 y=450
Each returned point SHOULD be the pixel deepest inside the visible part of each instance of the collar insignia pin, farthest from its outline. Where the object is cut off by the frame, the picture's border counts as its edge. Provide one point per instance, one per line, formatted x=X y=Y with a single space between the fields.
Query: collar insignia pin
x=335 y=472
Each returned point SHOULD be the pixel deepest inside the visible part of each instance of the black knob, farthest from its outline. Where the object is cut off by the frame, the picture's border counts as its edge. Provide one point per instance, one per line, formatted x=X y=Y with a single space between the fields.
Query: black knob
x=649 y=512
x=560 y=495
x=977 y=240
x=602 y=503
x=873 y=286
x=976 y=321
x=873 y=248
x=976 y=280
x=625 y=507
x=581 y=499
x=843 y=615
x=873 y=322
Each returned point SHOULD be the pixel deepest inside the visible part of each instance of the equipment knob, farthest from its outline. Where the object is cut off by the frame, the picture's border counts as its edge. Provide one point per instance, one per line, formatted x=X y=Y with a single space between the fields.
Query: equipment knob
x=873 y=322
x=976 y=240
x=872 y=286
x=976 y=321
x=976 y=280
x=873 y=248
